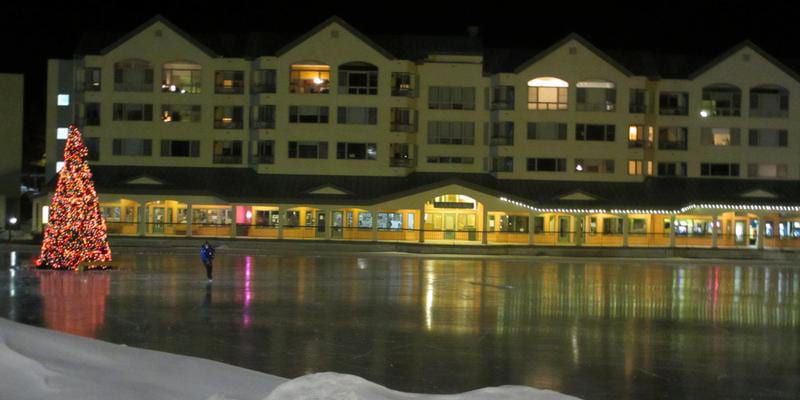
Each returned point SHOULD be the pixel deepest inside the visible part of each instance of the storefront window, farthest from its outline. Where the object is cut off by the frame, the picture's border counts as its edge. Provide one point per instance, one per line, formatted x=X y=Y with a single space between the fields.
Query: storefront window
x=513 y=223
x=211 y=216
x=292 y=218
x=309 y=218
x=390 y=221
x=364 y=220
x=267 y=218
x=110 y=214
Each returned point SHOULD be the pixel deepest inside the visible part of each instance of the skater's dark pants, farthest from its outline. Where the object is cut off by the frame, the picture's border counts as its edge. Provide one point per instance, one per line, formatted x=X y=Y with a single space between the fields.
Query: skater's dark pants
x=209 y=267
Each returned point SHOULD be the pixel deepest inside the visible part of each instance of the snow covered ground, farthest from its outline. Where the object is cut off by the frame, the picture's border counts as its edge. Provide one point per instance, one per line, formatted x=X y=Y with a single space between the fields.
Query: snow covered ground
x=36 y=363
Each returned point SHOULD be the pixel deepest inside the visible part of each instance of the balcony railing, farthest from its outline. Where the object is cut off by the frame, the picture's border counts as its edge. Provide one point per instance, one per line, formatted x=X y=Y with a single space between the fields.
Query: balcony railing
x=263 y=88
x=603 y=106
x=262 y=124
x=235 y=89
x=673 y=111
x=501 y=141
x=502 y=104
x=401 y=91
x=635 y=144
x=637 y=108
x=133 y=87
x=222 y=124
x=401 y=127
x=769 y=113
x=262 y=159
x=227 y=159
x=401 y=162
x=672 y=146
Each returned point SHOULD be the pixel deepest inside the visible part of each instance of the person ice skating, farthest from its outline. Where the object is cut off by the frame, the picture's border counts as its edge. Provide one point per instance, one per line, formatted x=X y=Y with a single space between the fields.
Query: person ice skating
x=207 y=257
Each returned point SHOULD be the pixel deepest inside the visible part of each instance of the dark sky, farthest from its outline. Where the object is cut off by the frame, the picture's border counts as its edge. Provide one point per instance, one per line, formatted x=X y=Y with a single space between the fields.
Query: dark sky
x=33 y=33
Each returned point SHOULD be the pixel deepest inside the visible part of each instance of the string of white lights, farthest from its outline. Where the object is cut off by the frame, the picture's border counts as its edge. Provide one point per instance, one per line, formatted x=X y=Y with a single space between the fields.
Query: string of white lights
x=703 y=206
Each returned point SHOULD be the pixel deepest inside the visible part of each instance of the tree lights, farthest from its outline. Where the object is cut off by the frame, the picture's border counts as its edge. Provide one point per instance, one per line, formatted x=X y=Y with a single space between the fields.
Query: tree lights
x=76 y=232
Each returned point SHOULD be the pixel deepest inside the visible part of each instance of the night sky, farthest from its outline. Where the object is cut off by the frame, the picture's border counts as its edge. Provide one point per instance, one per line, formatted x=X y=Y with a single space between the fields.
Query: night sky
x=32 y=34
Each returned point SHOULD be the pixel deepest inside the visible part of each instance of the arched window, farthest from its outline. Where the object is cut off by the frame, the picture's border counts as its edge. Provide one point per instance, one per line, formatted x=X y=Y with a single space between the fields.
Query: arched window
x=769 y=101
x=358 y=78
x=133 y=75
x=721 y=100
x=596 y=95
x=310 y=77
x=547 y=93
x=181 y=77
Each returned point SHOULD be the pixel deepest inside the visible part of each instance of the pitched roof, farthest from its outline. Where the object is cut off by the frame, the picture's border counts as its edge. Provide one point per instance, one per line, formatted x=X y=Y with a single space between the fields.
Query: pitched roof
x=170 y=25
x=243 y=185
x=345 y=25
x=745 y=44
x=582 y=41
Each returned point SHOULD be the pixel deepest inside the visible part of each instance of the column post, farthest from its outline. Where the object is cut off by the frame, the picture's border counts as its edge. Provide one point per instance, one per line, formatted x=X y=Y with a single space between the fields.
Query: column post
x=761 y=229
x=142 y=220
x=189 y=218
x=281 y=222
x=233 y=221
x=328 y=223
x=672 y=230
x=374 y=215
x=579 y=228
x=531 y=228
x=714 y=238
x=422 y=223
x=625 y=230
x=485 y=235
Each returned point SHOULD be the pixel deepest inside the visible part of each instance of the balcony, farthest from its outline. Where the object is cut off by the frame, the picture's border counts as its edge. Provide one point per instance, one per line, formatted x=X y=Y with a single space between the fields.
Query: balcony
x=501 y=141
x=133 y=86
x=637 y=108
x=227 y=159
x=673 y=110
x=236 y=88
x=401 y=162
x=262 y=124
x=227 y=124
x=502 y=104
x=263 y=88
x=403 y=127
x=636 y=144
x=672 y=146
x=262 y=159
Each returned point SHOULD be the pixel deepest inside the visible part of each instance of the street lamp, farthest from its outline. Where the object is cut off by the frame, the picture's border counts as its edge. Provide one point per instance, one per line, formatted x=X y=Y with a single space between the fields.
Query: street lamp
x=11 y=222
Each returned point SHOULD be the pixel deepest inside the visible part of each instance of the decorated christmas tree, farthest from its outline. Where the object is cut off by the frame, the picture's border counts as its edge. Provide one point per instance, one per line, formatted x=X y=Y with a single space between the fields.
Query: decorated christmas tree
x=76 y=231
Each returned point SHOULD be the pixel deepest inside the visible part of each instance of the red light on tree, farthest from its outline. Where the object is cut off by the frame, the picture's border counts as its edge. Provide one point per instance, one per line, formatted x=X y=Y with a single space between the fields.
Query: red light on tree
x=76 y=231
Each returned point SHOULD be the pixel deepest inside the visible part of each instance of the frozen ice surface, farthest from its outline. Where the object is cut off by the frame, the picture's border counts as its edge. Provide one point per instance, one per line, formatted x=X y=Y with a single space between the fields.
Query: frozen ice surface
x=37 y=364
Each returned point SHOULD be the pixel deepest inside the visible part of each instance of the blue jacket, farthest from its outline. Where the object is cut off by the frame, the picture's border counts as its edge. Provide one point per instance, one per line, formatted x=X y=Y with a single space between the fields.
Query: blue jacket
x=206 y=253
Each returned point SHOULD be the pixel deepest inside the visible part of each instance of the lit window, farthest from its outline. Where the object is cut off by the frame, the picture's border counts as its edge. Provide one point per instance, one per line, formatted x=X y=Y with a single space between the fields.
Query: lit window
x=721 y=136
x=62 y=133
x=547 y=94
x=634 y=167
x=63 y=99
x=45 y=214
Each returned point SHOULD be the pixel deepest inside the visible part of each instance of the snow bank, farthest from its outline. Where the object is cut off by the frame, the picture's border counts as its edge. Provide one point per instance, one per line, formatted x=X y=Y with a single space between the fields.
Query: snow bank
x=329 y=385
x=40 y=364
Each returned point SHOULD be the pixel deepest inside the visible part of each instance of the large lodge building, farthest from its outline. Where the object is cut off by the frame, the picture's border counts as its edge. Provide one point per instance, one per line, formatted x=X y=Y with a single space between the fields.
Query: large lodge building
x=336 y=135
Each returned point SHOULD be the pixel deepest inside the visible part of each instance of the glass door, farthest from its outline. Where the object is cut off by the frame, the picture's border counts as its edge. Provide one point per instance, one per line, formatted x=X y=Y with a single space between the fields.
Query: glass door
x=158 y=220
x=563 y=229
x=337 y=223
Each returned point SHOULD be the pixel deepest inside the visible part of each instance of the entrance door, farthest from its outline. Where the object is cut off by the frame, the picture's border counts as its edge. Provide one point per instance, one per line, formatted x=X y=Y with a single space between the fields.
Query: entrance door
x=337 y=223
x=320 y=224
x=563 y=229
x=752 y=235
x=739 y=232
x=158 y=220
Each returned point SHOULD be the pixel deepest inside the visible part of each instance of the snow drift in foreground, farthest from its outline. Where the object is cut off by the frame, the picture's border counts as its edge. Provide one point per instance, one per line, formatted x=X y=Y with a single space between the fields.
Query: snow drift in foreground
x=38 y=364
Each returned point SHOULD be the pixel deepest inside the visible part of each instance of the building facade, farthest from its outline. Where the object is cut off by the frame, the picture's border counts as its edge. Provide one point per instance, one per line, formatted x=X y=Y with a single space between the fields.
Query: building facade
x=11 y=86
x=336 y=135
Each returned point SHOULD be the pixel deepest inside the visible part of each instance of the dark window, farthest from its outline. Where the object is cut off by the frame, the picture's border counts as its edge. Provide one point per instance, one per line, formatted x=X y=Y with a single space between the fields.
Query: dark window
x=600 y=133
